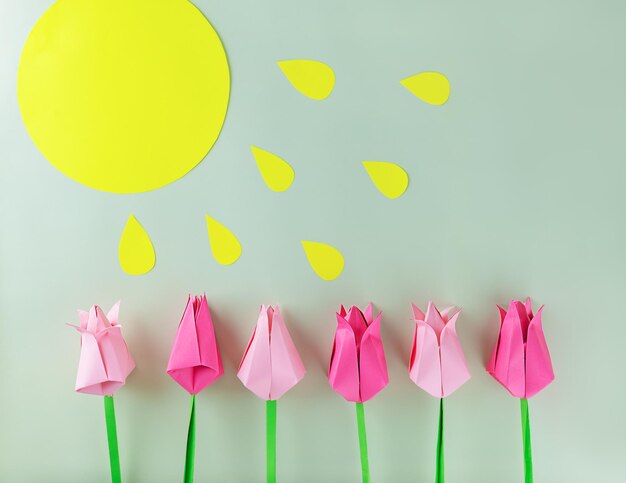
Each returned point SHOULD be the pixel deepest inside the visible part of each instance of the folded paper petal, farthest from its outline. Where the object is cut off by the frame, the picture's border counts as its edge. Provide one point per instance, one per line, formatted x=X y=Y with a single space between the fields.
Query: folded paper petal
x=105 y=361
x=437 y=363
x=520 y=360
x=358 y=368
x=195 y=360
x=271 y=364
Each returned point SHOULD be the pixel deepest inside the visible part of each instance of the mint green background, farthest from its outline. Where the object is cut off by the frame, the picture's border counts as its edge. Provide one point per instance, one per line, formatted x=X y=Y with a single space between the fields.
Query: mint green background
x=517 y=189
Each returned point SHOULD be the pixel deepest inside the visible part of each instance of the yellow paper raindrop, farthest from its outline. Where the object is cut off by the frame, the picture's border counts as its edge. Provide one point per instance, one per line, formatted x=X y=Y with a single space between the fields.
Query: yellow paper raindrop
x=276 y=172
x=390 y=179
x=312 y=78
x=431 y=87
x=123 y=96
x=325 y=260
x=135 y=252
x=225 y=247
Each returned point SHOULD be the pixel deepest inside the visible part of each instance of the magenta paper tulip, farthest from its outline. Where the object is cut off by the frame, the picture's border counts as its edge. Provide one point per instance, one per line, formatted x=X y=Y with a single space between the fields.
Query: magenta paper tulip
x=195 y=359
x=437 y=362
x=271 y=364
x=358 y=369
x=520 y=360
x=105 y=362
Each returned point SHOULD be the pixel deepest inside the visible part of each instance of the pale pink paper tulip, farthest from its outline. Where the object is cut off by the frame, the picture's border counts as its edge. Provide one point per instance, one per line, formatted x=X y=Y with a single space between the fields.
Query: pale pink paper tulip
x=520 y=360
x=358 y=369
x=195 y=359
x=437 y=362
x=271 y=364
x=105 y=362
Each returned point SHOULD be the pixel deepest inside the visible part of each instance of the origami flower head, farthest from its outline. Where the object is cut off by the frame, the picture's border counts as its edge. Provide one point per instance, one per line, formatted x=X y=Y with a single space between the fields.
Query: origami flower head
x=520 y=360
x=358 y=369
x=271 y=364
x=437 y=363
x=195 y=359
x=105 y=362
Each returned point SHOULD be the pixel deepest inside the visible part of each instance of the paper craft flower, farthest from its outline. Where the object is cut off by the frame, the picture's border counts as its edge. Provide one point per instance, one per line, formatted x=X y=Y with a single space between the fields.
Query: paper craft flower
x=105 y=362
x=195 y=359
x=437 y=362
x=358 y=369
x=271 y=364
x=520 y=360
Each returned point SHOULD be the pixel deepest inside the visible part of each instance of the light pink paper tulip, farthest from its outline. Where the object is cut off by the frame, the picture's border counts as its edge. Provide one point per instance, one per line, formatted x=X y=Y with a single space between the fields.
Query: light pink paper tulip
x=105 y=362
x=271 y=364
x=195 y=359
x=437 y=362
x=358 y=369
x=520 y=360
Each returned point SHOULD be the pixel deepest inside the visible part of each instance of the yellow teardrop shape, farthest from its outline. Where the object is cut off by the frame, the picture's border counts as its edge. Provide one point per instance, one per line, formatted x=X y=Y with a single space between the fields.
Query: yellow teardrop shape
x=276 y=172
x=225 y=247
x=325 y=260
x=390 y=179
x=312 y=78
x=135 y=251
x=430 y=87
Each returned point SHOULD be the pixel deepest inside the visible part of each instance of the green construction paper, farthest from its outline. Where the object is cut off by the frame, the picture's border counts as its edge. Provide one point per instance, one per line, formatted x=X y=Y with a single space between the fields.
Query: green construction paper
x=114 y=455
x=365 y=466
x=271 y=440
x=190 y=454
x=528 y=454
x=439 y=474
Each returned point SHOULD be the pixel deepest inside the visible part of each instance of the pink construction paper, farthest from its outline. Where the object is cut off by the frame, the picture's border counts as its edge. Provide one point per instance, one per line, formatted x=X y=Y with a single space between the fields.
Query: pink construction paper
x=105 y=362
x=437 y=363
x=358 y=369
x=271 y=364
x=195 y=359
x=520 y=360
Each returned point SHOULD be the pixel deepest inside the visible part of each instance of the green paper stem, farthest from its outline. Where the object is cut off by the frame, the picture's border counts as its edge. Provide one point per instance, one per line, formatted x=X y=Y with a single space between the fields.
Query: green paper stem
x=365 y=466
x=114 y=455
x=528 y=454
x=190 y=454
x=439 y=474
x=271 y=440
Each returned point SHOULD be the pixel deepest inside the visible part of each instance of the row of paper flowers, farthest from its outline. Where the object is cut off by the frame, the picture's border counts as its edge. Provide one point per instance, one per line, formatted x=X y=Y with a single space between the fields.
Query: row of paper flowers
x=271 y=364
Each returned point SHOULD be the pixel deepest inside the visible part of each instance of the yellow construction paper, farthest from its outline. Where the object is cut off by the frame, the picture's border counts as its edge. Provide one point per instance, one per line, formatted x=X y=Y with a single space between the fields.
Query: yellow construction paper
x=312 y=78
x=123 y=96
x=390 y=179
x=135 y=252
x=431 y=87
x=325 y=260
x=276 y=172
x=225 y=247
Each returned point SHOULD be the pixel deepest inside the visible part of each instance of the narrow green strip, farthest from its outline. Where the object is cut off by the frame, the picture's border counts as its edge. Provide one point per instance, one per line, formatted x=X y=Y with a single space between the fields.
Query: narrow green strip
x=365 y=466
x=439 y=474
x=114 y=455
x=190 y=454
x=528 y=454
x=271 y=440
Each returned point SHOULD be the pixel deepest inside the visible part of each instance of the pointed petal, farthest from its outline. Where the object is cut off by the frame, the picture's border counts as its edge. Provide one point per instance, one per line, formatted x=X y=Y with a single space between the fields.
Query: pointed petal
x=454 y=371
x=356 y=320
x=529 y=308
x=185 y=355
x=372 y=363
x=255 y=370
x=426 y=369
x=433 y=318
x=539 y=371
x=343 y=373
x=114 y=314
x=417 y=313
x=287 y=367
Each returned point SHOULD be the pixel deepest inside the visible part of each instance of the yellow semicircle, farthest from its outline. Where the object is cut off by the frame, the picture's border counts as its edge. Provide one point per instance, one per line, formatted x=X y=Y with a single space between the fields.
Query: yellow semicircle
x=390 y=179
x=311 y=78
x=225 y=247
x=326 y=260
x=276 y=172
x=135 y=252
x=431 y=87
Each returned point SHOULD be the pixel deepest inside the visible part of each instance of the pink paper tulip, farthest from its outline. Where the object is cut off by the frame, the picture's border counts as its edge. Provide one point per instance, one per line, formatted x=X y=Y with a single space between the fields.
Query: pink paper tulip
x=358 y=369
x=271 y=364
x=195 y=359
x=437 y=362
x=105 y=362
x=520 y=360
